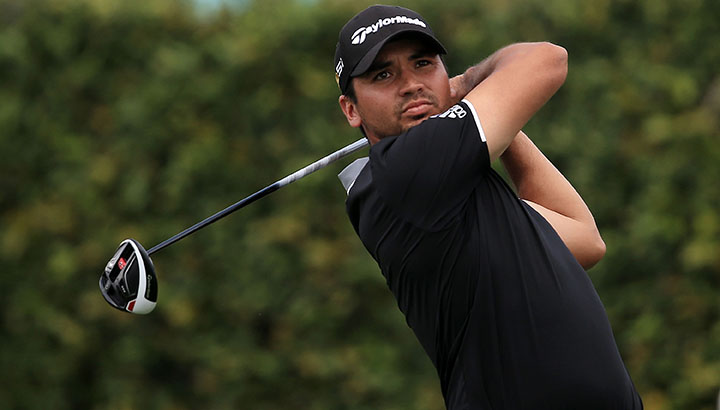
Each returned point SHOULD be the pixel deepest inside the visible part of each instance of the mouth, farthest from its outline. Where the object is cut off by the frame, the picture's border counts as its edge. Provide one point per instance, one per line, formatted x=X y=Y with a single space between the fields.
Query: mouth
x=417 y=108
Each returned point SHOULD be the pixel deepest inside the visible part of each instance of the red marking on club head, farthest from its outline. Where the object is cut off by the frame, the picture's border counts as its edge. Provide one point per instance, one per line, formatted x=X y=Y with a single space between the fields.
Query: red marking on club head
x=131 y=306
x=122 y=263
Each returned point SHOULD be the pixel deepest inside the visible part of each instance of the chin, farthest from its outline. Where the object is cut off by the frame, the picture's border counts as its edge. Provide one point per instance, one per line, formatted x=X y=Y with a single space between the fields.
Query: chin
x=417 y=121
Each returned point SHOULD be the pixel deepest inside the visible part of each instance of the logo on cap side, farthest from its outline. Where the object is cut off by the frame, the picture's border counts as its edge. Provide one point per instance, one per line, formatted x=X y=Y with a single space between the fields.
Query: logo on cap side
x=338 y=71
x=339 y=67
x=360 y=34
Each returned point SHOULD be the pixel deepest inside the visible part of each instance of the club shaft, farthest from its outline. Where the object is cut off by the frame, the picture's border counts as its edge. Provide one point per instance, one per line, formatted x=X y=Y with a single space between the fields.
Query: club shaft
x=321 y=163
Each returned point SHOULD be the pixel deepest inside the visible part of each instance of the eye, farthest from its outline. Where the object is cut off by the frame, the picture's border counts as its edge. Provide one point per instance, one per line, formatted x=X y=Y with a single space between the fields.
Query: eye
x=423 y=63
x=381 y=75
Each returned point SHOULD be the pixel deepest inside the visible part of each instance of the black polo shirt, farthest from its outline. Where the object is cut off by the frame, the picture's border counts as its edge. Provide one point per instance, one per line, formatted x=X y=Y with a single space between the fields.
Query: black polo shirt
x=502 y=308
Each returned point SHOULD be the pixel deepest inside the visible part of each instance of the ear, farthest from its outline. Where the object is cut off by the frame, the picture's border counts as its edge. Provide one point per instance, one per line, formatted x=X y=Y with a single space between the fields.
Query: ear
x=349 y=108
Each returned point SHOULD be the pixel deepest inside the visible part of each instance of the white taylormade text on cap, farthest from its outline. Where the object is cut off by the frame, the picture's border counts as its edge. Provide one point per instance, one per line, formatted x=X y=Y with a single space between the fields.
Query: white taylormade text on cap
x=360 y=34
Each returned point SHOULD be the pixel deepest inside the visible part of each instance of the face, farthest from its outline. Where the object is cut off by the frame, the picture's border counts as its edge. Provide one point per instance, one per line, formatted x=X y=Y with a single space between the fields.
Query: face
x=406 y=84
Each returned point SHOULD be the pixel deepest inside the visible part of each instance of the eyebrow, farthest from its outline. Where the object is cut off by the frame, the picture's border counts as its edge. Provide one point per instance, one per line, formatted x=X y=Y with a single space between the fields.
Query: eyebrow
x=379 y=65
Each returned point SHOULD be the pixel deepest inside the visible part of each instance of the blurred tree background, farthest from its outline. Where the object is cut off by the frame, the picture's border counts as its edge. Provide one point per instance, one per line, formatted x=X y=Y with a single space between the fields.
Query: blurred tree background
x=137 y=119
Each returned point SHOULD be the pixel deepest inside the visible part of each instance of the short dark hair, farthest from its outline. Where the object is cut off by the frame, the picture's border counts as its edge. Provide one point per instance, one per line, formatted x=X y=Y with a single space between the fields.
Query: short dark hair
x=350 y=91
x=350 y=94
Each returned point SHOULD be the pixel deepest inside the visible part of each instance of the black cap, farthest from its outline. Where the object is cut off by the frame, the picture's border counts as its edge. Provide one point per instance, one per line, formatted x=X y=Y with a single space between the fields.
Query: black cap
x=365 y=34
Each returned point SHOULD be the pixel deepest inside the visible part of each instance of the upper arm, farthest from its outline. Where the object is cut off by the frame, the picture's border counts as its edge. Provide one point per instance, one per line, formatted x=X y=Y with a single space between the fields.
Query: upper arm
x=523 y=80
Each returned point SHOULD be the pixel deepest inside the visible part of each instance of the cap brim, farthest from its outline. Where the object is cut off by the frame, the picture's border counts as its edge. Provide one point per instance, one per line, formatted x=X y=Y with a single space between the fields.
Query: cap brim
x=369 y=57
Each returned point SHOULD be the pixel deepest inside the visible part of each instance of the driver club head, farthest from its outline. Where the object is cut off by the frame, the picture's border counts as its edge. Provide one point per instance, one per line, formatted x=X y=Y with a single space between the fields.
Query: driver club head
x=128 y=282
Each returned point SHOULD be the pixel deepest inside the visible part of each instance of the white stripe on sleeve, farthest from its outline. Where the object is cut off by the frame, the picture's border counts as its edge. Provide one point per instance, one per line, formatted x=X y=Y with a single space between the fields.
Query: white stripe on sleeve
x=477 y=120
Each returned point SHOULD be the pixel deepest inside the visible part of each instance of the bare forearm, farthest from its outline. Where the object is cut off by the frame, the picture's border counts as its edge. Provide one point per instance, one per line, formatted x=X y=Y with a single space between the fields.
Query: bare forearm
x=545 y=189
x=536 y=179
x=462 y=84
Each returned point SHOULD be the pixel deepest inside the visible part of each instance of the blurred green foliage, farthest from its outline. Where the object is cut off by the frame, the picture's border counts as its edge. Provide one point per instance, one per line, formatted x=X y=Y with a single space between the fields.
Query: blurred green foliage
x=137 y=119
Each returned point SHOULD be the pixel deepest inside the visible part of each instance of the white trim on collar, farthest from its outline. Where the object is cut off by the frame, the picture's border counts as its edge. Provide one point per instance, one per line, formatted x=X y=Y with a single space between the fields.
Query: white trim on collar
x=350 y=173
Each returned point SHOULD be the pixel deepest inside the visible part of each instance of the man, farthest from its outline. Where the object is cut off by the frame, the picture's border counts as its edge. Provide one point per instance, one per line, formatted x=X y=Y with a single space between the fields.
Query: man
x=491 y=281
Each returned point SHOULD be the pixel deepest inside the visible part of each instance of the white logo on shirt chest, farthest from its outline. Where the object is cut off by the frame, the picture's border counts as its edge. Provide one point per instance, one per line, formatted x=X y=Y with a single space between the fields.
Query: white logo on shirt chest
x=455 y=111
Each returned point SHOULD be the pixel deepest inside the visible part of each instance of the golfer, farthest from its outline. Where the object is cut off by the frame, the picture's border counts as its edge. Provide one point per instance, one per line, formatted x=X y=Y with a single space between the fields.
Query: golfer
x=492 y=281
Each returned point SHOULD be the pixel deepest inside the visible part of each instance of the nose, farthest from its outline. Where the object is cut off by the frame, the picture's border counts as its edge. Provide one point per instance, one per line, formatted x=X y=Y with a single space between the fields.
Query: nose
x=410 y=83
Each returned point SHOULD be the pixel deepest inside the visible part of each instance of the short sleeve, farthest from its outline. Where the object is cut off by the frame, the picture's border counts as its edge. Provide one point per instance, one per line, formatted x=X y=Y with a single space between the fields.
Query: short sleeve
x=427 y=173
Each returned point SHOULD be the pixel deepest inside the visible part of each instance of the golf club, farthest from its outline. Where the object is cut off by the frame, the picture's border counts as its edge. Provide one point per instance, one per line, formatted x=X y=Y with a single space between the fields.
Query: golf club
x=129 y=283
